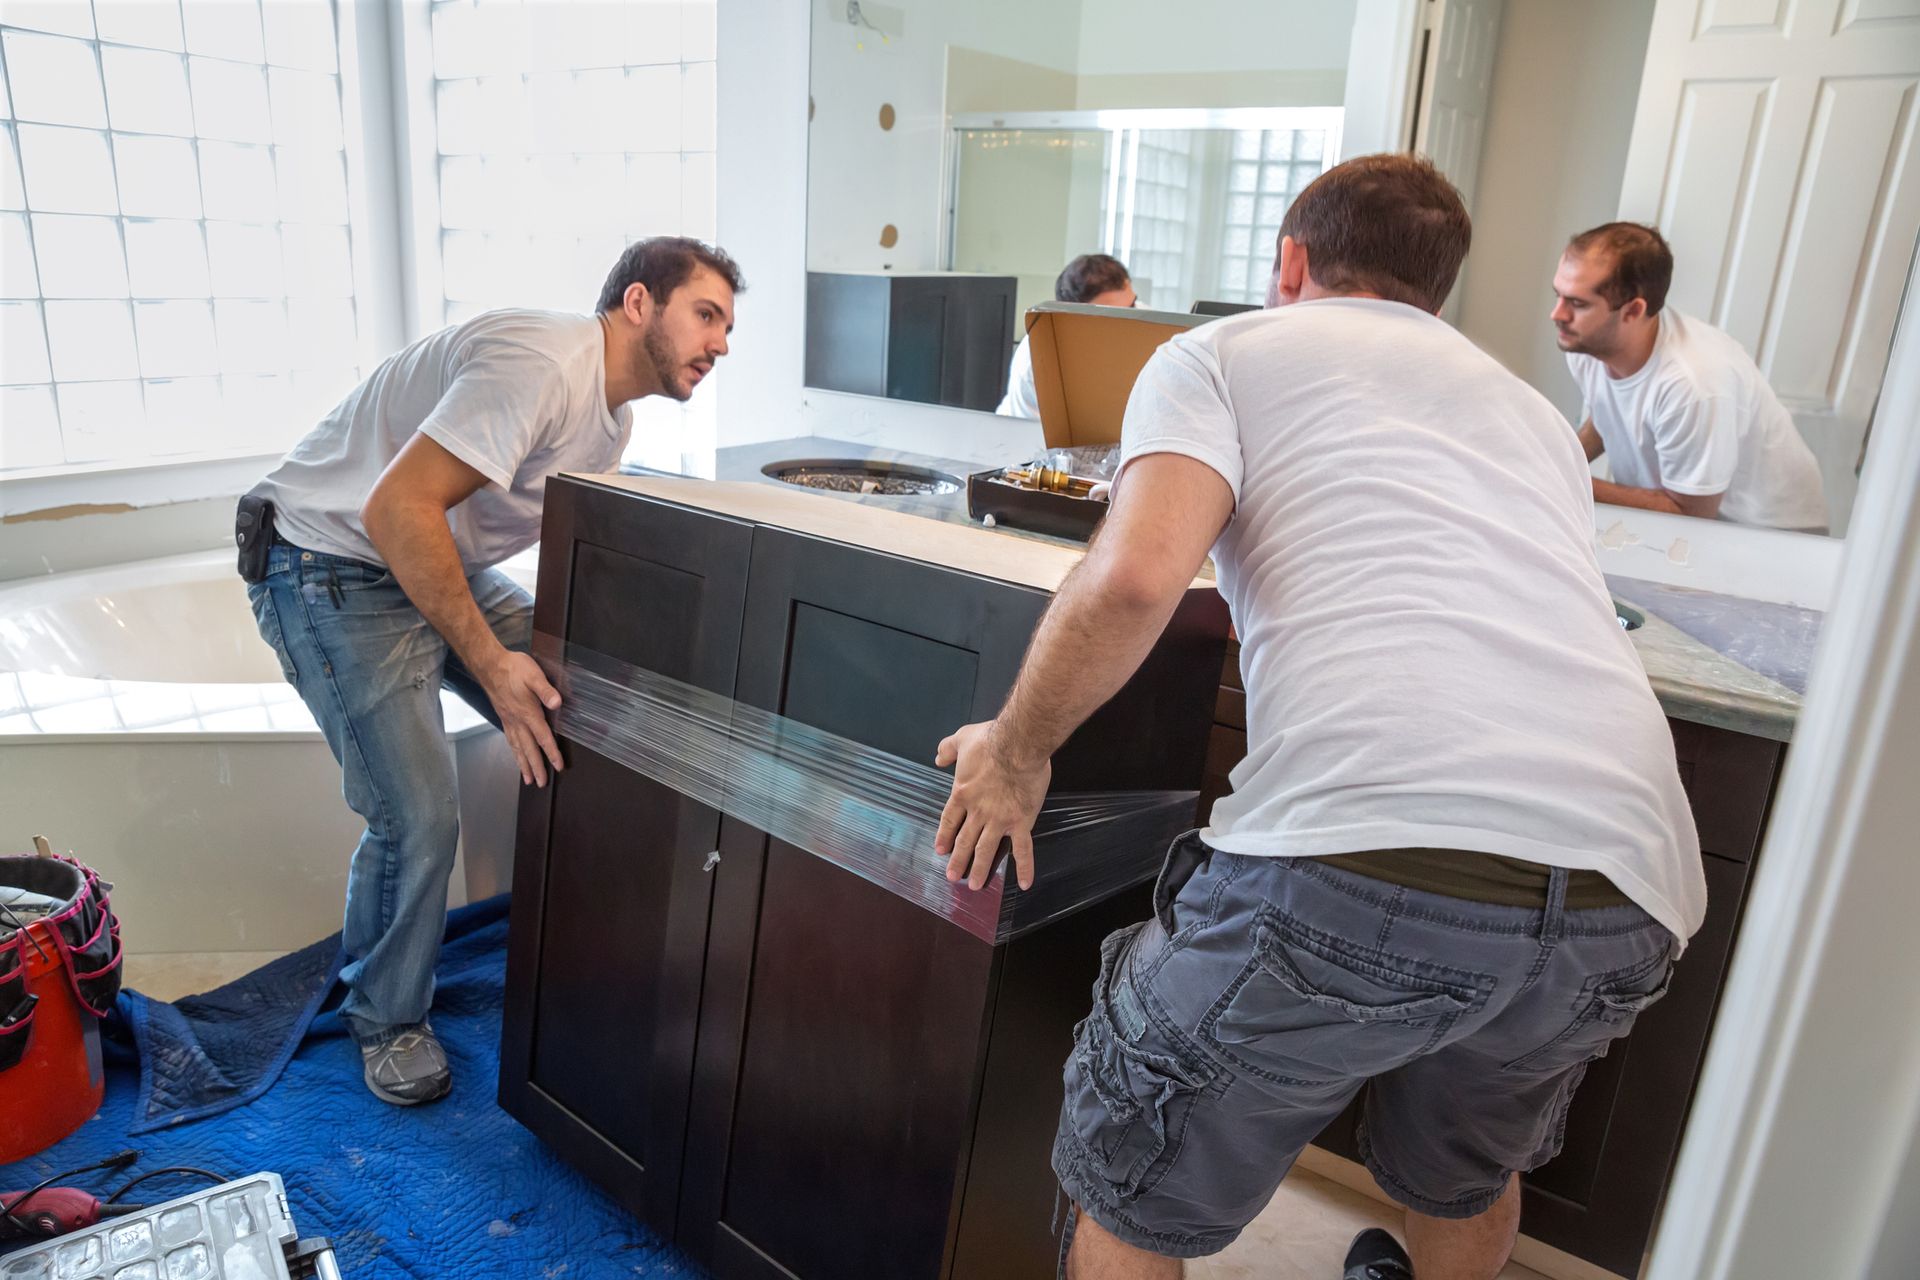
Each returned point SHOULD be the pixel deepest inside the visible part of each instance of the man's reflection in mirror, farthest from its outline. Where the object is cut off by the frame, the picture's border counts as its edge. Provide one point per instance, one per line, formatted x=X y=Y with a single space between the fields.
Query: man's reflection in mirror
x=1686 y=419
x=1093 y=278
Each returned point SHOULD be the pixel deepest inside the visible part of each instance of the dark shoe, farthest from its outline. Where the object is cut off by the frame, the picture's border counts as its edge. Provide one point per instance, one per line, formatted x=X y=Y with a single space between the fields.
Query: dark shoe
x=1376 y=1255
x=406 y=1065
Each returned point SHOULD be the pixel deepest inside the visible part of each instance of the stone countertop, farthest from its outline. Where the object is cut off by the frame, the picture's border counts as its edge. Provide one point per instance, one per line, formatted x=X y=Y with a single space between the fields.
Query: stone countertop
x=1713 y=659
x=1723 y=660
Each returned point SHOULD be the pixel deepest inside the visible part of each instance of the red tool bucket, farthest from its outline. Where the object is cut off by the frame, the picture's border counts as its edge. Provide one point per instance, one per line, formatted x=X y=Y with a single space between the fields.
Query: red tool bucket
x=59 y=975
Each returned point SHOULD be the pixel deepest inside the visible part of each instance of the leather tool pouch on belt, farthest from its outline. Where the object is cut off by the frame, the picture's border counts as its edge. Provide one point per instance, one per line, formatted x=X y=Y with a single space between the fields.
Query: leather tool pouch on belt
x=83 y=928
x=253 y=536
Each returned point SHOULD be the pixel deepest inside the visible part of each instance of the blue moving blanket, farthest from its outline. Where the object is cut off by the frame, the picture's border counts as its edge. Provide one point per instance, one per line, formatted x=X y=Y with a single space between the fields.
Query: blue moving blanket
x=455 y=1189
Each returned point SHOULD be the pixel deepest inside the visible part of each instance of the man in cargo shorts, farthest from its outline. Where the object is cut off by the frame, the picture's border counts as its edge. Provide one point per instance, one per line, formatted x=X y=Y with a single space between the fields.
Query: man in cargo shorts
x=1457 y=859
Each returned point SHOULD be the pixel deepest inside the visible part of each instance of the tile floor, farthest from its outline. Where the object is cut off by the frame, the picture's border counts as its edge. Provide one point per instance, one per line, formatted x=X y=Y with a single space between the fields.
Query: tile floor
x=170 y=975
x=1302 y=1235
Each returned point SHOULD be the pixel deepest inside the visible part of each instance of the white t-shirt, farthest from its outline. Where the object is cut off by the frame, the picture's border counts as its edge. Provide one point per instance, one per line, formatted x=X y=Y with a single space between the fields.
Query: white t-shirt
x=1699 y=418
x=516 y=395
x=1020 y=400
x=1430 y=654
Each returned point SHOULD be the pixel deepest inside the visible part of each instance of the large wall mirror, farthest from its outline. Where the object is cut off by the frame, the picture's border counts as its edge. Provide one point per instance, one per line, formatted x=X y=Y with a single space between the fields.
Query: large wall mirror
x=962 y=154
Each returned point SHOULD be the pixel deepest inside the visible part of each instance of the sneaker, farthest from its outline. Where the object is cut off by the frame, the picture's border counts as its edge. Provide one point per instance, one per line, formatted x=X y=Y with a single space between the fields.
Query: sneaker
x=1376 y=1255
x=406 y=1065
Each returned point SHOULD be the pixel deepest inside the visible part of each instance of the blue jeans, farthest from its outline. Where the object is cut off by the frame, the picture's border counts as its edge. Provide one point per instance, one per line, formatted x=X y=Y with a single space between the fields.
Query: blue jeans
x=370 y=668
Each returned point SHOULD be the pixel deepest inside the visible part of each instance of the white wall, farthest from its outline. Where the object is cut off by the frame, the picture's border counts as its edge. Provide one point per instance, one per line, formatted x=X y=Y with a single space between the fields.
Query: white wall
x=1152 y=37
x=1565 y=78
x=866 y=177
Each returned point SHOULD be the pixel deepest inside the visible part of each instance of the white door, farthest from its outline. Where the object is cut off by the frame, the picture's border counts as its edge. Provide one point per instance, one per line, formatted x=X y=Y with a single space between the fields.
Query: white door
x=1776 y=144
x=1451 y=122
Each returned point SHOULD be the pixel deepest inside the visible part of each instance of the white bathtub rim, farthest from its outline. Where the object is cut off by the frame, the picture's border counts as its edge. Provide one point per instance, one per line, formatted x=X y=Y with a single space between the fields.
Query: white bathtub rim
x=191 y=566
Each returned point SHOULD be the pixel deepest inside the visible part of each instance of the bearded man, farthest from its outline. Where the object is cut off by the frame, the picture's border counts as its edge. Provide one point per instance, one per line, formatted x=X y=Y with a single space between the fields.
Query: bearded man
x=369 y=556
x=1688 y=422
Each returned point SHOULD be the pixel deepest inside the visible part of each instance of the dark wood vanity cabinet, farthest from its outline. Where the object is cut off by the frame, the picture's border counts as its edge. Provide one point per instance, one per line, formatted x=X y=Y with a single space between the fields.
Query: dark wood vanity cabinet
x=789 y=1070
x=1599 y=1198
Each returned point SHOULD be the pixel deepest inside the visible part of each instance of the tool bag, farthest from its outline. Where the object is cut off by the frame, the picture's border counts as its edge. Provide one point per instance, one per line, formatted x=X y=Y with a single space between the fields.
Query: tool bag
x=80 y=925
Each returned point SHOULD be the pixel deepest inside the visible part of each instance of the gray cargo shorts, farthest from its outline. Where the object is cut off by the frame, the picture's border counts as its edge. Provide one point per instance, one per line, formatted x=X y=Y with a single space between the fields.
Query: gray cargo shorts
x=1265 y=992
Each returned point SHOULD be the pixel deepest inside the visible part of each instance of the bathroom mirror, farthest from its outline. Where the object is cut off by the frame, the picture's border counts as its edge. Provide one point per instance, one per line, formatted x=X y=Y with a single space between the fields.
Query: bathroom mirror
x=961 y=155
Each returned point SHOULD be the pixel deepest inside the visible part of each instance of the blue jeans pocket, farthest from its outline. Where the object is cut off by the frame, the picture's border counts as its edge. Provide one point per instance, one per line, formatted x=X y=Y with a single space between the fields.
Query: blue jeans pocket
x=266 y=616
x=1310 y=1008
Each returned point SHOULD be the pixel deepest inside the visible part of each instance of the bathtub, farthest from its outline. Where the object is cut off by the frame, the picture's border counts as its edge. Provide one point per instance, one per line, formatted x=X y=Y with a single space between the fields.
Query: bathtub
x=144 y=726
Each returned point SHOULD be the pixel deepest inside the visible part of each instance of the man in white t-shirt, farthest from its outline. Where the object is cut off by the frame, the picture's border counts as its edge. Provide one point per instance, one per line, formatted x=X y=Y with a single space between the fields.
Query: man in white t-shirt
x=1688 y=422
x=368 y=554
x=1456 y=860
x=1093 y=278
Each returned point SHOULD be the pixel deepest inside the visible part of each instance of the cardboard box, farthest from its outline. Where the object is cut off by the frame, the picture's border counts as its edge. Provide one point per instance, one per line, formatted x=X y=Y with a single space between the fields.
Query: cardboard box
x=1085 y=361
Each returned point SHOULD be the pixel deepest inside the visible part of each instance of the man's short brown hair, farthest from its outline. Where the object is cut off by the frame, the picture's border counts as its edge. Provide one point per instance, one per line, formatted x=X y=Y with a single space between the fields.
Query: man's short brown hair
x=1389 y=224
x=1088 y=276
x=1642 y=264
x=663 y=264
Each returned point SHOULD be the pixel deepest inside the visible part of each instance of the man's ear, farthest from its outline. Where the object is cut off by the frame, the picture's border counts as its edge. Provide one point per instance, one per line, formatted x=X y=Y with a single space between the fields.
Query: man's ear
x=637 y=304
x=1635 y=311
x=1289 y=273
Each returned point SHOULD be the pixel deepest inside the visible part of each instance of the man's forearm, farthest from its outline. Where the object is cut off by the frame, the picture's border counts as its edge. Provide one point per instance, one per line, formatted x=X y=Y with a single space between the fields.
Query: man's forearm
x=414 y=540
x=1621 y=495
x=1093 y=638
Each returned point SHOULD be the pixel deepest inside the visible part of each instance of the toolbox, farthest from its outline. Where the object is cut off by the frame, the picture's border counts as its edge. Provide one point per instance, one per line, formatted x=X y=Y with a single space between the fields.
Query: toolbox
x=239 y=1230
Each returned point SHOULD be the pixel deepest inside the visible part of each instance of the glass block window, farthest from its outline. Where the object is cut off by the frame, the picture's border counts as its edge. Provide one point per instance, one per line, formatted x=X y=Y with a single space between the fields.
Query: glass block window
x=1145 y=210
x=566 y=131
x=1269 y=168
x=175 y=257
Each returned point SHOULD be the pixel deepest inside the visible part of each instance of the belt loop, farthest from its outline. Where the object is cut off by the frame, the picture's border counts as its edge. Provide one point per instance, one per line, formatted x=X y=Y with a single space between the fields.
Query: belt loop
x=1553 y=921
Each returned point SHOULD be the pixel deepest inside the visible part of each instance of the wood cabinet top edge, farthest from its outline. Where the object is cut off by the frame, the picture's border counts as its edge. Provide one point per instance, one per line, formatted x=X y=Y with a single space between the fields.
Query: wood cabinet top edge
x=974 y=550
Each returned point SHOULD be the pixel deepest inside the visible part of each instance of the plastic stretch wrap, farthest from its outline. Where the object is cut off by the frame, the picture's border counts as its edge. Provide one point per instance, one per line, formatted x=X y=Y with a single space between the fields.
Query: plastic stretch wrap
x=870 y=812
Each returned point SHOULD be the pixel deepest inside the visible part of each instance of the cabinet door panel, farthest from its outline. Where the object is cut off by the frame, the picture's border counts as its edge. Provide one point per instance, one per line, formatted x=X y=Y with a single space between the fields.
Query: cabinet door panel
x=854 y=1092
x=880 y=686
x=842 y=1027
x=605 y=980
x=610 y=894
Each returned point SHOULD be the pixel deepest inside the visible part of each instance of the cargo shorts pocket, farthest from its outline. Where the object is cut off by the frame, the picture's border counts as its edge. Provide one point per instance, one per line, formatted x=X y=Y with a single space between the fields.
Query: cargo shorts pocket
x=1604 y=1012
x=1129 y=1088
x=1310 y=1008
